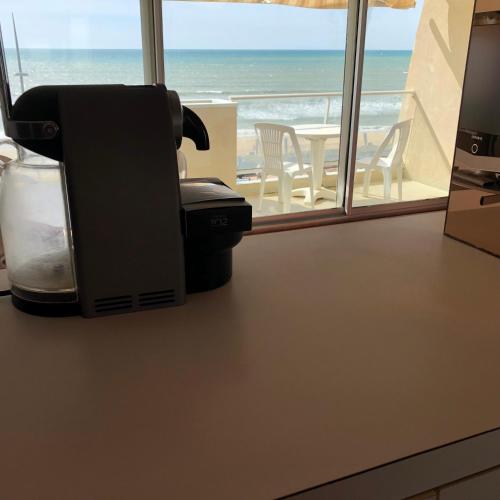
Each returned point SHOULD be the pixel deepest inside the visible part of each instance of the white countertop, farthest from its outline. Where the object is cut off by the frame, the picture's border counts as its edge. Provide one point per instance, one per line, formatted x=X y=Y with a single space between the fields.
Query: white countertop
x=333 y=350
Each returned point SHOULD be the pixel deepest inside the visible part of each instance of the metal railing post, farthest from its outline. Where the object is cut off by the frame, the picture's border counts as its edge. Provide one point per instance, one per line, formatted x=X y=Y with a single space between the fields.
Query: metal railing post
x=327 y=109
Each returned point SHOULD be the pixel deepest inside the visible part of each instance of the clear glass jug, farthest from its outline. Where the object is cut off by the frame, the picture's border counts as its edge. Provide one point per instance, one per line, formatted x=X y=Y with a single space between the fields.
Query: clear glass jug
x=35 y=229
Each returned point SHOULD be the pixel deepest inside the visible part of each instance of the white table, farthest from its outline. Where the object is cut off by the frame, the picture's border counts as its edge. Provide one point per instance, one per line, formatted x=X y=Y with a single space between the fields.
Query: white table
x=317 y=134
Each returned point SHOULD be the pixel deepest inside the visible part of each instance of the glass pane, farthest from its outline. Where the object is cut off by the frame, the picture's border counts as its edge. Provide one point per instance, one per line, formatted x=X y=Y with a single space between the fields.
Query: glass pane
x=238 y=65
x=63 y=42
x=412 y=81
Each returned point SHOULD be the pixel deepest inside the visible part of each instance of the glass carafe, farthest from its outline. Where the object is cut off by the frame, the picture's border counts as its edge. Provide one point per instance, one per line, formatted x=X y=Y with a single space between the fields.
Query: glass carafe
x=35 y=229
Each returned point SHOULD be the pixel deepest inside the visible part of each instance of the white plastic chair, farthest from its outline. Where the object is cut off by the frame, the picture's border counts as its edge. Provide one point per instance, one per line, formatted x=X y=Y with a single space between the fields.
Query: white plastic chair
x=398 y=135
x=271 y=138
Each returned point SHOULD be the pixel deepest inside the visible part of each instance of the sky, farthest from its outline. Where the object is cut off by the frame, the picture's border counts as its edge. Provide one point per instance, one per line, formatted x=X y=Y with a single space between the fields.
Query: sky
x=115 y=24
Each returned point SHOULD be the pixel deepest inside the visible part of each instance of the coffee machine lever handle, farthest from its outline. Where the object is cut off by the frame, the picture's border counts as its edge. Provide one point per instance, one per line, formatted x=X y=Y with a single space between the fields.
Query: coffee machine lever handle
x=195 y=129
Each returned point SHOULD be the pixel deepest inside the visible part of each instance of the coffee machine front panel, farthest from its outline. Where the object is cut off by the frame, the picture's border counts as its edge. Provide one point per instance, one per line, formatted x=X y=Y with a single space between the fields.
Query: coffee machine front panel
x=123 y=192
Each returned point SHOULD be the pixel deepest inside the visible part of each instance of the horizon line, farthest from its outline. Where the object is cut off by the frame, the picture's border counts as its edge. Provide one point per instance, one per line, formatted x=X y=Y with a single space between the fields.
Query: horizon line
x=207 y=50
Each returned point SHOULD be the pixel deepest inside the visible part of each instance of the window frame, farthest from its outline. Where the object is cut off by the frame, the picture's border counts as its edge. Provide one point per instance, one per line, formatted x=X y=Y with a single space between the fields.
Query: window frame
x=357 y=17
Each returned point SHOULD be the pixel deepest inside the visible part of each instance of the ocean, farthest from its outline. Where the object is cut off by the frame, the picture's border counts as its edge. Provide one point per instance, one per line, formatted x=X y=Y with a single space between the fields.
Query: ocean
x=218 y=74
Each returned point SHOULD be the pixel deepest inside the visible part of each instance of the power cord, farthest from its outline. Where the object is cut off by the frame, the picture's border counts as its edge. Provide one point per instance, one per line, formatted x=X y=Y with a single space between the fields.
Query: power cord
x=5 y=293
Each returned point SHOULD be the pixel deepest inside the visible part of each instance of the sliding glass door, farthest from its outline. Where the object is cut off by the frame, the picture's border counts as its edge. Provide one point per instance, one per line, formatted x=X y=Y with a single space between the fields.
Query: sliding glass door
x=242 y=64
x=267 y=80
x=413 y=68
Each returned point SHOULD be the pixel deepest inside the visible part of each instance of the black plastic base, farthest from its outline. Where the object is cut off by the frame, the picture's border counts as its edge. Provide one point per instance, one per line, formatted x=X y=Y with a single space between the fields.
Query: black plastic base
x=208 y=260
x=208 y=265
x=45 y=308
x=206 y=272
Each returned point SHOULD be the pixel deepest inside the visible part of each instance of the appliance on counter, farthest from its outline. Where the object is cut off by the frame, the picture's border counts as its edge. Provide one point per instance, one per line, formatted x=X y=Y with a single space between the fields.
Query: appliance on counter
x=93 y=217
x=473 y=214
x=213 y=220
x=478 y=138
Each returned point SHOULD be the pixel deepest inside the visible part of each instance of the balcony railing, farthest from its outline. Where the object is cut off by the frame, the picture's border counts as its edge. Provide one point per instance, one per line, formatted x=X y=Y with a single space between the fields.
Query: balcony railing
x=328 y=97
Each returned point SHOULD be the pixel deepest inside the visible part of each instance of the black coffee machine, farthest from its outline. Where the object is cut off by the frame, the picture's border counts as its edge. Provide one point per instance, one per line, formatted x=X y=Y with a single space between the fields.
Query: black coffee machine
x=131 y=237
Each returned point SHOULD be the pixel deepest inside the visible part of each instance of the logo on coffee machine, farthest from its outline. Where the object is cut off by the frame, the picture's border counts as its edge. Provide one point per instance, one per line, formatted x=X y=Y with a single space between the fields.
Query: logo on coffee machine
x=219 y=221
